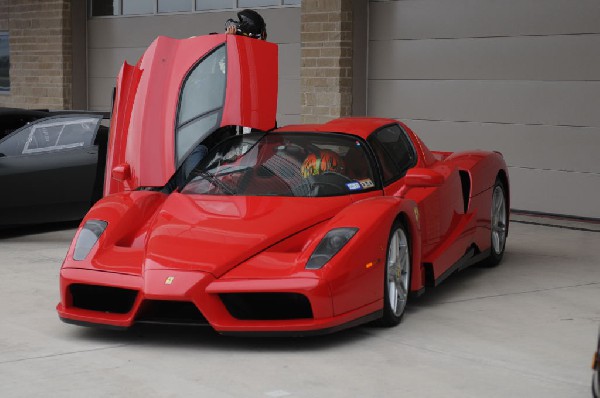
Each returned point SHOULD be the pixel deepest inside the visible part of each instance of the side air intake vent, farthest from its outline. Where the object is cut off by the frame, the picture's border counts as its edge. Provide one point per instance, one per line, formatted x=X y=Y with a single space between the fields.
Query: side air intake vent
x=465 y=180
x=102 y=298
x=267 y=306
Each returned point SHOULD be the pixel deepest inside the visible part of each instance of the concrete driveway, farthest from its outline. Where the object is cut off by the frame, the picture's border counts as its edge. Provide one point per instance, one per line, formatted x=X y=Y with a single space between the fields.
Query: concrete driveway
x=524 y=329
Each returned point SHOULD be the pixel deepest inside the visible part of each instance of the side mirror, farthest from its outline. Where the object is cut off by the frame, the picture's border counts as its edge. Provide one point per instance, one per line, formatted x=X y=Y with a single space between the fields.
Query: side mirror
x=2 y=155
x=422 y=178
x=121 y=172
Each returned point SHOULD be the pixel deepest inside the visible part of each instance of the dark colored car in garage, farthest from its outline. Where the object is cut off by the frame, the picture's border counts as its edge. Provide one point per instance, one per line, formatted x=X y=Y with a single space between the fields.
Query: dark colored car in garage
x=51 y=165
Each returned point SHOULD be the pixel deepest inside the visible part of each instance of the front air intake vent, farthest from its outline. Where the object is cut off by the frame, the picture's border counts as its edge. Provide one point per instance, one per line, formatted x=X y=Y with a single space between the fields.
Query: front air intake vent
x=267 y=306
x=170 y=312
x=102 y=298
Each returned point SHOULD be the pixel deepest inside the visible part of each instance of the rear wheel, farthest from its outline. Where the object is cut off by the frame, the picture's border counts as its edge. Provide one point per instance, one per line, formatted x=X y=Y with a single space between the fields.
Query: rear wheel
x=499 y=225
x=396 y=276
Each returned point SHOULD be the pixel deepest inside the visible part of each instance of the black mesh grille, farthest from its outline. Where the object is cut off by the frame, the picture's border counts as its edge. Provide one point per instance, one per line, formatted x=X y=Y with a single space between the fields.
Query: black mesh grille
x=102 y=298
x=163 y=311
x=267 y=306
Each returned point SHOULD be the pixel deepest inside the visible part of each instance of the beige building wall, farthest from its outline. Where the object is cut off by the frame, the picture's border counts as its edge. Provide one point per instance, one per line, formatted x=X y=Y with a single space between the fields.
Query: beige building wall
x=40 y=53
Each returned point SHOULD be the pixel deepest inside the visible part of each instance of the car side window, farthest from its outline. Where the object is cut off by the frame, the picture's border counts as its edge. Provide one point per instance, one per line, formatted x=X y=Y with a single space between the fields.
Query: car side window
x=13 y=144
x=12 y=122
x=201 y=102
x=394 y=150
x=51 y=134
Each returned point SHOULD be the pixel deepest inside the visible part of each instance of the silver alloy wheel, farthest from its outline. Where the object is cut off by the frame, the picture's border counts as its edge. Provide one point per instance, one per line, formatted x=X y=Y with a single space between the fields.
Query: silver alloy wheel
x=498 y=220
x=398 y=271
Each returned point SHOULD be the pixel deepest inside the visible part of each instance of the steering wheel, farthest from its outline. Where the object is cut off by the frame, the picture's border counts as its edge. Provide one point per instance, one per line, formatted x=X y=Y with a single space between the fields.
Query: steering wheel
x=337 y=175
x=330 y=187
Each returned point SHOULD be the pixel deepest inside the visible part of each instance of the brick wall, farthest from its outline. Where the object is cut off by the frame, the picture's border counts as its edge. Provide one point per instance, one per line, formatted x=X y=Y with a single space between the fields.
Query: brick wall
x=40 y=53
x=4 y=15
x=326 y=50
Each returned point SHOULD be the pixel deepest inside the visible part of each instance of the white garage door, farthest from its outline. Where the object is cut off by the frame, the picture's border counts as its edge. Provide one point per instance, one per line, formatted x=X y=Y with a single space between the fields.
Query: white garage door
x=112 y=40
x=518 y=76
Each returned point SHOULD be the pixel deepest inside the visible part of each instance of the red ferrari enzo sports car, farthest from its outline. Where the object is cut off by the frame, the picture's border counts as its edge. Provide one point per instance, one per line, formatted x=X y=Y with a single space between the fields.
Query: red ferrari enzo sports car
x=298 y=230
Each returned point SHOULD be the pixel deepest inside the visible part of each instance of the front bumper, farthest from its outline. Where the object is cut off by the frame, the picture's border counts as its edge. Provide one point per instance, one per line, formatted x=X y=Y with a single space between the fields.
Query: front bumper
x=165 y=288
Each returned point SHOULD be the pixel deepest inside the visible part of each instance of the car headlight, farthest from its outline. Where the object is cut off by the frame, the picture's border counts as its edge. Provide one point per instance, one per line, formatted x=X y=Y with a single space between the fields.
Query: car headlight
x=329 y=246
x=88 y=236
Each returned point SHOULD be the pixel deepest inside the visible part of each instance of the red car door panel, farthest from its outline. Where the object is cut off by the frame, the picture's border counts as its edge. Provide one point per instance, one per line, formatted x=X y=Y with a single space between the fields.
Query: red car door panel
x=148 y=137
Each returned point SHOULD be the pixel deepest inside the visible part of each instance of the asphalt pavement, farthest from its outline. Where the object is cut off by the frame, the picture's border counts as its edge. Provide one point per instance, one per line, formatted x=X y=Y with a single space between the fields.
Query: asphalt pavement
x=526 y=328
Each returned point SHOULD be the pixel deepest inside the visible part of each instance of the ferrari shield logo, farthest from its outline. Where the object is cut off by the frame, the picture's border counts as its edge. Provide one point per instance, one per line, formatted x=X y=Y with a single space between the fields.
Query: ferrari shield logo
x=169 y=280
x=416 y=209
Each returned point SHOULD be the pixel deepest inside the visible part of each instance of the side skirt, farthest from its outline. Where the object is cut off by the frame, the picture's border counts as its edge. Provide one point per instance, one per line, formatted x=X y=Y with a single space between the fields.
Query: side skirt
x=465 y=261
x=416 y=293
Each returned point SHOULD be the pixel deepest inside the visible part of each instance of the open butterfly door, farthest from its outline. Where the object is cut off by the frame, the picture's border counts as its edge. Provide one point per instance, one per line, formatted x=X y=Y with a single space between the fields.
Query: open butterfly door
x=179 y=93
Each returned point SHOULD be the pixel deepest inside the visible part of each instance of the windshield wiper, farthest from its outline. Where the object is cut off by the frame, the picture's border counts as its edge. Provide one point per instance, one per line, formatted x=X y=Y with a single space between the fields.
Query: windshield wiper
x=215 y=181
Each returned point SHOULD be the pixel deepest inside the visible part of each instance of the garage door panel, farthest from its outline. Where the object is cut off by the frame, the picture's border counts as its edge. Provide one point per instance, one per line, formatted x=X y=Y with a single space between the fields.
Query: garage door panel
x=502 y=58
x=555 y=192
x=518 y=76
x=100 y=93
x=288 y=101
x=107 y=62
x=283 y=26
x=284 y=119
x=420 y=19
x=289 y=61
x=526 y=102
x=540 y=147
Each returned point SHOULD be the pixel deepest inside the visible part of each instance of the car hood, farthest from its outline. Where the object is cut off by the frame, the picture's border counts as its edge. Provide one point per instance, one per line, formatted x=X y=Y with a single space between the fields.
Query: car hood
x=216 y=233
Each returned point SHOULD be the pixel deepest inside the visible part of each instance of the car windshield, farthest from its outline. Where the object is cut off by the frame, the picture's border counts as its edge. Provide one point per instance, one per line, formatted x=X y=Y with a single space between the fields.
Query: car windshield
x=284 y=164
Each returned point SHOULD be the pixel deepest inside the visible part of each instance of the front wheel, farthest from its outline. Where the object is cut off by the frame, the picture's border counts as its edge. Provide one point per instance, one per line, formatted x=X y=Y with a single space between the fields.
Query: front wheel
x=396 y=276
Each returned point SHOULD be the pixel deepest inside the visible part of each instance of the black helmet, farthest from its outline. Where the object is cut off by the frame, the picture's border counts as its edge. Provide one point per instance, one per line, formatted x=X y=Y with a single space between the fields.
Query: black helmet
x=252 y=24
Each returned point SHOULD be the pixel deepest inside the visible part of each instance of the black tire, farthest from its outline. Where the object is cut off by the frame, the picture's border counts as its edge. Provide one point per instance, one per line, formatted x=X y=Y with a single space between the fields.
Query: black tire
x=497 y=227
x=393 y=311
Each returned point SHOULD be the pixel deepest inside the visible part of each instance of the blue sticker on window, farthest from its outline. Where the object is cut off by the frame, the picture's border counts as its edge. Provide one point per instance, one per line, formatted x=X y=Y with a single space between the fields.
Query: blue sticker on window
x=353 y=186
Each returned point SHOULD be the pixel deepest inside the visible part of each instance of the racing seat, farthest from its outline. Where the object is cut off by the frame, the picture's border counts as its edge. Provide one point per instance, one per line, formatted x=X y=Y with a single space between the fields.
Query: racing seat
x=357 y=166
